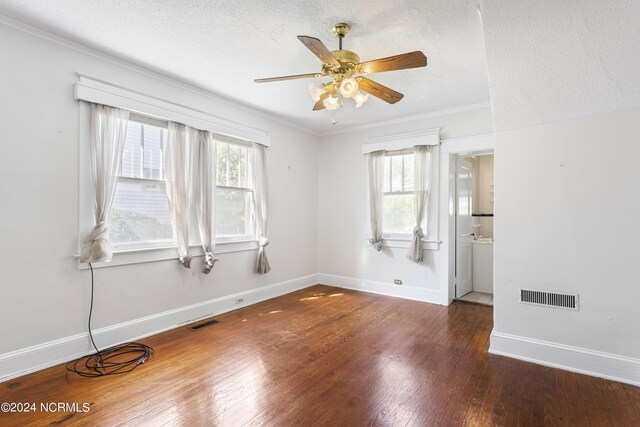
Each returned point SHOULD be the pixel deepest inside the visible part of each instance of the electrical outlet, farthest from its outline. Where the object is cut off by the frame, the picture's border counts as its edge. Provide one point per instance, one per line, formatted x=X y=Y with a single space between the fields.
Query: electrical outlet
x=239 y=300
x=397 y=282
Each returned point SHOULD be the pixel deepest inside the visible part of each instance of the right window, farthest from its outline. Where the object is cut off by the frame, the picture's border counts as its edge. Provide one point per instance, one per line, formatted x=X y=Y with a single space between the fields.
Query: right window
x=398 y=204
x=234 y=199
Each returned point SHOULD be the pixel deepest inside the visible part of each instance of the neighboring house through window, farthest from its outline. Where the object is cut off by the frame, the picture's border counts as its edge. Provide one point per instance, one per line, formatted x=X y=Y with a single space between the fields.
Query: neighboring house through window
x=140 y=215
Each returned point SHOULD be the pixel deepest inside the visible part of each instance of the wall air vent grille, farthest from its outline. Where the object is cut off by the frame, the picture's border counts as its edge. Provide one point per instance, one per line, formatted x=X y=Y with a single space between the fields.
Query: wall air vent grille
x=549 y=299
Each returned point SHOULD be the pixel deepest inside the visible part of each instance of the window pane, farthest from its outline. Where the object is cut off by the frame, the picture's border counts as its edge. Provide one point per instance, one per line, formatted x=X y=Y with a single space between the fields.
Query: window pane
x=233 y=213
x=235 y=156
x=408 y=172
x=221 y=173
x=140 y=212
x=396 y=173
x=132 y=152
x=232 y=165
x=386 y=185
x=397 y=216
x=242 y=170
x=153 y=137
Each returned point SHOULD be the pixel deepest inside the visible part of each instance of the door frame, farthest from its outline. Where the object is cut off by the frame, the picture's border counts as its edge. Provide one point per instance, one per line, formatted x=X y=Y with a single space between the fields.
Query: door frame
x=449 y=151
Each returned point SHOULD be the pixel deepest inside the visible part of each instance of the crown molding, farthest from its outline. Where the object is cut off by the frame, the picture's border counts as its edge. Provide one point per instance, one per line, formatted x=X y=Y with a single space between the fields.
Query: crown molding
x=148 y=71
x=421 y=116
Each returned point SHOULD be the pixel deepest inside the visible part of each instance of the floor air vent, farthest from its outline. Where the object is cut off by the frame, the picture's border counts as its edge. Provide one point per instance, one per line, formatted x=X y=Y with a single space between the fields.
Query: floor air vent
x=203 y=325
x=549 y=299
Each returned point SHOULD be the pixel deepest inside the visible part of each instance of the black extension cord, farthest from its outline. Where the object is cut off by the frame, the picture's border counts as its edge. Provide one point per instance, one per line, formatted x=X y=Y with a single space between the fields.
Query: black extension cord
x=109 y=361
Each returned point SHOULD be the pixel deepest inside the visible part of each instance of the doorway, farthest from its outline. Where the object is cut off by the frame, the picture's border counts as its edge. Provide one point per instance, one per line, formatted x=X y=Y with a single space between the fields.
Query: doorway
x=474 y=239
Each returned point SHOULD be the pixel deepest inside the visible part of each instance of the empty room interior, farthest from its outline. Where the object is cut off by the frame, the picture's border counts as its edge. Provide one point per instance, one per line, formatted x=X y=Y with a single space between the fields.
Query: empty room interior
x=319 y=213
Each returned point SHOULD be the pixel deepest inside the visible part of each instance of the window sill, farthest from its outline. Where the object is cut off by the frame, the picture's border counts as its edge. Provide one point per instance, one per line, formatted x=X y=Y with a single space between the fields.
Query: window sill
x=404 y=242
x=139 y=256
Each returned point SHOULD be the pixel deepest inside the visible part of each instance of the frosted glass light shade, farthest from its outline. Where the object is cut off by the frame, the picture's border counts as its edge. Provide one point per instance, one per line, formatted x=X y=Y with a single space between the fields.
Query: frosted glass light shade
x=316 y=91
x=332 y=103
x=349 y=87
x=360 y=98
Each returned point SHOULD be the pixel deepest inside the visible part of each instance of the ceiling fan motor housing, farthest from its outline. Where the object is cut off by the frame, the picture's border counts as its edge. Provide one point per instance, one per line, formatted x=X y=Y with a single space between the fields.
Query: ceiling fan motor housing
x=347 y=68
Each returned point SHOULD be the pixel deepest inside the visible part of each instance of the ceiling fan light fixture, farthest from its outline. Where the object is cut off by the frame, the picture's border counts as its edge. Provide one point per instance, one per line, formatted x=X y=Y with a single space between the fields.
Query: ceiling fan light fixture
x=316 y=91
x=349 y=87
x=332 y=103
x=360 y=98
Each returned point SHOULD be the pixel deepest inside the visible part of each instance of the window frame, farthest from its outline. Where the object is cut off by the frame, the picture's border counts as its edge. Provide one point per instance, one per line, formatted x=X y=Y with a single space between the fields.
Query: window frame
x=390 y=154
x=252 y=221
x=145 y=244
x=140 y=252
x=431 y=240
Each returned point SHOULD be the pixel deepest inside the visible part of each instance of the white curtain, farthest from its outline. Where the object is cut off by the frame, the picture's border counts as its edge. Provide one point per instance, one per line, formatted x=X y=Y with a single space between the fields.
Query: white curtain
x=422 y=183
x=179 y=168
x=376 y=177
x=108 y=132
x=205 y=196
x=259 y=182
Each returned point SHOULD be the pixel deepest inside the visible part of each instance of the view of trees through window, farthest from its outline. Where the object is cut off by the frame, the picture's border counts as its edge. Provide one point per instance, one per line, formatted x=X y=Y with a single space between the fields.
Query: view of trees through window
x=234 y=197
x=398 y=203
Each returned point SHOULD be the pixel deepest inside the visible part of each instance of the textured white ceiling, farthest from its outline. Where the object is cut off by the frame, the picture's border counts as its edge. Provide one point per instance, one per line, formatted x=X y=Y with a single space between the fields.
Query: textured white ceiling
x=222 y=46
x=551 y=60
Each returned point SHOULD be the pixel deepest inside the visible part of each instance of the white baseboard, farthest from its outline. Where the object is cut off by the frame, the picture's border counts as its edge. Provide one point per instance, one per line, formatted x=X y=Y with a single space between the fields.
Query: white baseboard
x=41 y=356
x=574 y=359
x=407 y=292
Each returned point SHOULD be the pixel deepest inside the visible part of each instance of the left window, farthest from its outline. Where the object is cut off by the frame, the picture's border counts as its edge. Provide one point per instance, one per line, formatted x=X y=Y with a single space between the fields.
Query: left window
x=140 y=215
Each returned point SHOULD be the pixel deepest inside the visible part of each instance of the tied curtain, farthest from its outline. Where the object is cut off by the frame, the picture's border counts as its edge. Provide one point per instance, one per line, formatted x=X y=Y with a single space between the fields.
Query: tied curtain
x=179 y=169
x=206 y=197
x=108 y=133
x=376 y=177
x=259 y=183
x=190 y=166
x=422 y=183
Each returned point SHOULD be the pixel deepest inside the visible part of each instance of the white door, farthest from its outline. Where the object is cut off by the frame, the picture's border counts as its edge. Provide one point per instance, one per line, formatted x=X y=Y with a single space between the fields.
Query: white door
x=464 y=283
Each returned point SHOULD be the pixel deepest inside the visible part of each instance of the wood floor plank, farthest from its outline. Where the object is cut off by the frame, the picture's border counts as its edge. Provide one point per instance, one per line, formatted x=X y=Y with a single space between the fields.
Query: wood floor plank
x=334 y=357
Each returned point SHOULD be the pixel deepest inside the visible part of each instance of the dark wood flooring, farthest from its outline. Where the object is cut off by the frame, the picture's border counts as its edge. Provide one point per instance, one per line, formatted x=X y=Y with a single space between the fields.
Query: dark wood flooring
x=333 y=357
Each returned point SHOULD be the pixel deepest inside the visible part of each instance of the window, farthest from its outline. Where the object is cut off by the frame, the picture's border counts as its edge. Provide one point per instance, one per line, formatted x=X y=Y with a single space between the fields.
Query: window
x=234 y=198
x=398 y=203
x=140 y=213
x=140 y=216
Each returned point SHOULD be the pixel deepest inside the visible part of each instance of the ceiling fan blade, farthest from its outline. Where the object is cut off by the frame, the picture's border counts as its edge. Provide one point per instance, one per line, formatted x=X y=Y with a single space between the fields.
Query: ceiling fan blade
x=320 y=105
x=319 y=49
x=391 y=63
x=293 y=77
x=379 y=91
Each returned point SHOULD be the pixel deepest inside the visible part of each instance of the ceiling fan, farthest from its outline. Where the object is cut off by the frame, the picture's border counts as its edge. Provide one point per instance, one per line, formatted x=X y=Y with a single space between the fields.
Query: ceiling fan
x=344 y=66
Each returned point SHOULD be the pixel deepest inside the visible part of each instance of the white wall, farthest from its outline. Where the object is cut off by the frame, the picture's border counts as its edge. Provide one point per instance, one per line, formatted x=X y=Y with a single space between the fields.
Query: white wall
x=566 y=209
x=44 y=295
x=345 y=257
x=565 y=93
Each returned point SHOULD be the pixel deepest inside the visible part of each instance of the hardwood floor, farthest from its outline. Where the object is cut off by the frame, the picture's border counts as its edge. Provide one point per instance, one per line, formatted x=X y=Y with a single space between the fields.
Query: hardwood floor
x=329 y=356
